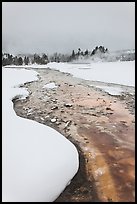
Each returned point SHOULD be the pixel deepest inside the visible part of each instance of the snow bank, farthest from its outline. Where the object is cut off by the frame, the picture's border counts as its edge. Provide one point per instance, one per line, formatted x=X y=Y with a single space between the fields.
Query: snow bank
x=37 y=161
x=120 y=72
x=111 y=89
x=13 y=78
x=110 y=72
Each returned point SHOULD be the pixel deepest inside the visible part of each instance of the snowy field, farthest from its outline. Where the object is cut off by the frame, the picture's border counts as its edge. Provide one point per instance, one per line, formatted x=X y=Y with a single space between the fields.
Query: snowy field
x=110 y=72
x=111 y=89
x=37 y=161
x=120 y=72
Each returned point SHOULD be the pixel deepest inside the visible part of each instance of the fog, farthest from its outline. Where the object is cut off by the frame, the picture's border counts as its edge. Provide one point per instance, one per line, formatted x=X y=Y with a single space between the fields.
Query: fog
x=29 y=27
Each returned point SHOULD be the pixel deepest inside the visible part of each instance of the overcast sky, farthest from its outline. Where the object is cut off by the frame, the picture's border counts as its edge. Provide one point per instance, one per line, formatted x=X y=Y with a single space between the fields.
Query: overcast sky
x=29 y=27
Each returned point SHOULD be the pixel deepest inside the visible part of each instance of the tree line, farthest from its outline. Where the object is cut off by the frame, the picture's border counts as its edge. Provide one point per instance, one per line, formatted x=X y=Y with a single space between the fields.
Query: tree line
x=9 y=59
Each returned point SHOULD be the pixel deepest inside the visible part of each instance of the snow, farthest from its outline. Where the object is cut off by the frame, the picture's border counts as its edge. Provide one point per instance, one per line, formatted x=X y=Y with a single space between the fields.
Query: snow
x=37 y=161
x=120 y=72
x=111 y=89
x=50 y=85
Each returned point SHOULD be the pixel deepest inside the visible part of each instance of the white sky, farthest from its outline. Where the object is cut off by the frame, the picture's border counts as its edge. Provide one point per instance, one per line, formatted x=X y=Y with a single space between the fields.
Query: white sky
x=29 y=27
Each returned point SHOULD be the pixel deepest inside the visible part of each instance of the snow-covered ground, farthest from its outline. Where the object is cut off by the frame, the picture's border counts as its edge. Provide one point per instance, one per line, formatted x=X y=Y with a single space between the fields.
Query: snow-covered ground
x=110 y=72
x=111 y=89
x=120 y=72
x=37 y=161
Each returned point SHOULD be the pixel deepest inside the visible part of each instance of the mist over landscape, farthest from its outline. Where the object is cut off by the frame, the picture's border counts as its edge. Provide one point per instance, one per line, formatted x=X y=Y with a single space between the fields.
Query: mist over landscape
x=49 y=27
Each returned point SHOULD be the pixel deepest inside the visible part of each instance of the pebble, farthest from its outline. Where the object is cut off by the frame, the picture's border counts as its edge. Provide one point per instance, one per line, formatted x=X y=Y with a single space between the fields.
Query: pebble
x=29 y=110
x=107 y=108
x=28 y=114
x=53 y=120
x=54 y=100
x=68 y=104
x=68 y=123
x=47 y=116
x=42 y=118
x=54 y=107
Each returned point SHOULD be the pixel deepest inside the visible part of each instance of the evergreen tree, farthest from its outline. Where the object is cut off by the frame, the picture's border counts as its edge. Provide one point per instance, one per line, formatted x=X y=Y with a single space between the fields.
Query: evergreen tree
x=73 y=54
x=86 y=52
x=20 y=61
x=7 y=59
x=79 y=51
x=82 y=53
x=15 y=61
x=10 y=59
x=93 y=52
x=44 y=59
x=26 y=60
x=37 y=59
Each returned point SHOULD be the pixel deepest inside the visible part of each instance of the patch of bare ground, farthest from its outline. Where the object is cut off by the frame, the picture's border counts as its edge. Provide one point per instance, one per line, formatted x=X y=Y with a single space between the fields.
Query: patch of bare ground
x=101 y=127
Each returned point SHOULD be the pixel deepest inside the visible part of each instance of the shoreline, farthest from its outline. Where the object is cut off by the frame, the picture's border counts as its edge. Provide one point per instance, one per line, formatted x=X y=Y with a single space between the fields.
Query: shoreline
x=100 y=125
